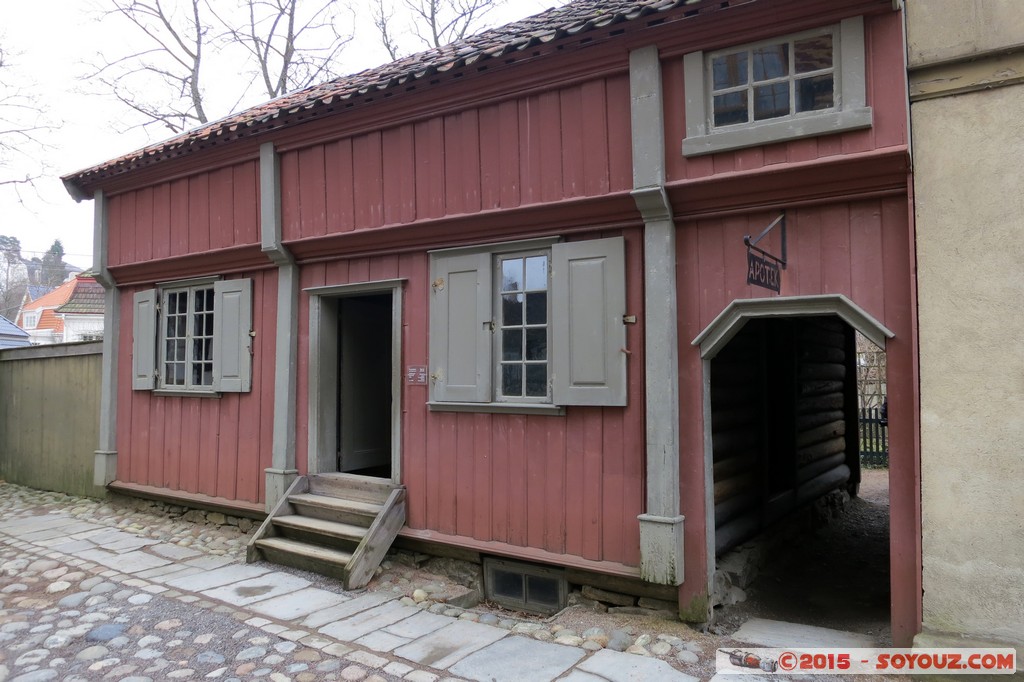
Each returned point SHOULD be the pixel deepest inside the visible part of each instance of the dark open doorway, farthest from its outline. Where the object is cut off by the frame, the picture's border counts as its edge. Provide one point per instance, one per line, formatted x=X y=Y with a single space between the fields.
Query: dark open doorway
x=364 y=385
x=791 y=544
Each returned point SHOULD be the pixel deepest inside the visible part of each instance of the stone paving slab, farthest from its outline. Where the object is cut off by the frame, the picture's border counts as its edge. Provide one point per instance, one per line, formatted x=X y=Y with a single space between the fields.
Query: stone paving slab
x=382 y=641
x=217 y=577
x=298 y=604
x=777 y=633
x=362 y=624
x=621 y=667
x=133 y=562
x=517 y=658
x=449 y=645
x=350 y=608
x=257 y=589
x=421 y=624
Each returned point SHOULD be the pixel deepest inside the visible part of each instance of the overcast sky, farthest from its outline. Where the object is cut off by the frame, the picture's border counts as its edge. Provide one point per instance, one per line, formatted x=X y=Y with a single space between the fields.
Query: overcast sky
x=50 y=43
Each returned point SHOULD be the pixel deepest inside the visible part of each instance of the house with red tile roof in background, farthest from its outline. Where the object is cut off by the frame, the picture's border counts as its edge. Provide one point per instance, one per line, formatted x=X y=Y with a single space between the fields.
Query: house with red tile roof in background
x=71 y=312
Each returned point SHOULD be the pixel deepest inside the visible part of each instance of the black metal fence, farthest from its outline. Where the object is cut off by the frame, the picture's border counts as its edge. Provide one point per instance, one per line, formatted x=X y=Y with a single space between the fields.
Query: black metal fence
x=874 y=438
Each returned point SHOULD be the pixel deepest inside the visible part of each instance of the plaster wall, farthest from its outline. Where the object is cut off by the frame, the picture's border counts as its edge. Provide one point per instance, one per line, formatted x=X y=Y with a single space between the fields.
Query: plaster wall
x=944 y=30
x=970 y=224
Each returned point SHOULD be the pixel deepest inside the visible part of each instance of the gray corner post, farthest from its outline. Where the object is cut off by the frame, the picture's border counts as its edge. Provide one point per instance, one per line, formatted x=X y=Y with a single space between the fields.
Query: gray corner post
x=282 y=470
x=661 y=528
x=105 y=460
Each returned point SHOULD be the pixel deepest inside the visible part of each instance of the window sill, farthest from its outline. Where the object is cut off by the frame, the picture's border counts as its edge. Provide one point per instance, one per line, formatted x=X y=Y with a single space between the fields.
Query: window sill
x=170 y=393
x=499 y=408
x=767 y=132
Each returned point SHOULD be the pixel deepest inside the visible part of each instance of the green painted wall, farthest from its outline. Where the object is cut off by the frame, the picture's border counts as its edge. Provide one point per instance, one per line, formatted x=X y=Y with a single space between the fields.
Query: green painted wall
x=49 y=417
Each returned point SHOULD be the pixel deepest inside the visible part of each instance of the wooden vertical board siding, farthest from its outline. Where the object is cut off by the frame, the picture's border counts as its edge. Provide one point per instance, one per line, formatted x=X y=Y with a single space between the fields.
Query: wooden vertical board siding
x=245 y=199
x=508 y=136
x=836 y=264
x=887 y=92
x=291 y=209
x=555 y=484
x=530 y=149
x=430 y=178
x=144 y=225
x=399 y=179
x=490 y=157
x=593 y=477
x=339 y=179
x=613 y=525
x=171 y=414
x=209 y=427
x=115 y=229
x=592 y=123
x=130 y=226
x=188 y=476
x=315 y=275
x=312 y=192
x=501 y=464
x=368 y=187
x=575 y=481
x=620 y=140
x=446 y=472
x=413 y=268
x=258 y=437
x=483 y=477
x=454 y=173
x=868 y=286
x=161 y=234
x=517 y=478
x=157 y=462
x=572 y=141
x=228 y=454
x=124 y=389
x=465 y=472
x=551 y=146
x=674 y=95
x=198 y=213
x=179 y=217
x=634 y=422
x=222 y=207
x=536 y=457
x=140 y=443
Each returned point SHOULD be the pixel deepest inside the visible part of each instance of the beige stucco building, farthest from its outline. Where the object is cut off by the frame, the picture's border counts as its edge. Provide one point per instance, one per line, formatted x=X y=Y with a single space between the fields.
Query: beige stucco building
x=966 y=62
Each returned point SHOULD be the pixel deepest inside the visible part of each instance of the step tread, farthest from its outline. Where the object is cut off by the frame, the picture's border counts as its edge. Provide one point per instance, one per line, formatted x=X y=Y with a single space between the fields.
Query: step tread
x=335 y=529
x=316 y=552
x=338 y=503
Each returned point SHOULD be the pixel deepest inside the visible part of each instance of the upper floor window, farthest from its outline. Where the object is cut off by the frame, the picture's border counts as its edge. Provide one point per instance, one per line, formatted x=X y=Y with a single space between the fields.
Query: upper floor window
x=193 y=337
x=806 y=84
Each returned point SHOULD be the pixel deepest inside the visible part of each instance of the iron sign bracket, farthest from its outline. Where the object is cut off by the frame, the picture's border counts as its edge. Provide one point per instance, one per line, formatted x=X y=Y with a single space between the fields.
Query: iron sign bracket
x=752 y=243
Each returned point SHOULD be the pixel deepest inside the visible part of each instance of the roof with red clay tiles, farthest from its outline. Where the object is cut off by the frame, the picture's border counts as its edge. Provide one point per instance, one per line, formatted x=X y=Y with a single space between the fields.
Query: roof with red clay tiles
x=88 y=298
x=78 y=292
x=572 y=19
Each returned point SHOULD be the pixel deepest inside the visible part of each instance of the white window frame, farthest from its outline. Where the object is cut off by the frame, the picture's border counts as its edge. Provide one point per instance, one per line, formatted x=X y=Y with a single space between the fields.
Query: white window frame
x=586 y=352
x=32 y=319
x=498 y=360
x=231 y=340
x=849 y=110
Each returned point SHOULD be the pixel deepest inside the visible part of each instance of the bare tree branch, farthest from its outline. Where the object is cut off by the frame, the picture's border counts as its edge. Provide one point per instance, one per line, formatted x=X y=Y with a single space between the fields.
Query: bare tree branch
x=23 y=125
x=434 y=22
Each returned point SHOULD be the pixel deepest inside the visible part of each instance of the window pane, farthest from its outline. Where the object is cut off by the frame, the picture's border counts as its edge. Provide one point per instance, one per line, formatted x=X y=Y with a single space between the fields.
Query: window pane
x=537 y=273
x=512 y=274
x=731 y=108
x=508 y=585
x=771 y=61
x=207 y=377
x=179 y=350
x=511 y=310
x=512 y=344
x=542 y=590
x=181 y=306
x=771 y=101
x=512 y=380
x=813 y=54
x=537 y=308
x=814 y=93
x=730 y=70
x=179 y=374
x=537 y=380
x=536 y=344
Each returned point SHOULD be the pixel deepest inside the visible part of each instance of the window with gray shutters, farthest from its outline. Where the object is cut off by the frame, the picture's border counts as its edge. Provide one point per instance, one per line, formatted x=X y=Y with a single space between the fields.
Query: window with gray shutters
x=525 y=325
x=193 y=337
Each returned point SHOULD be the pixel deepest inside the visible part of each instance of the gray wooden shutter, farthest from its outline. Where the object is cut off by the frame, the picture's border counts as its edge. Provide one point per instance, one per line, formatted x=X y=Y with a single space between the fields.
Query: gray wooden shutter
x=232 y=342
x=588 y=286
x=144 y=340
x=460 y=330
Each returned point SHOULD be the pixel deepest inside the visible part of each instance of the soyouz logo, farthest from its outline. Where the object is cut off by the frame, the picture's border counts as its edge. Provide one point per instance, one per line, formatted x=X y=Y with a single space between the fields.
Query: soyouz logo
x=759 y=661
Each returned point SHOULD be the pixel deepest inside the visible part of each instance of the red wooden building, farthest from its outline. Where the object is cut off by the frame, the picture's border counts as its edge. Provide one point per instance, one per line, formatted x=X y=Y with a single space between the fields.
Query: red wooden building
x=501 y=290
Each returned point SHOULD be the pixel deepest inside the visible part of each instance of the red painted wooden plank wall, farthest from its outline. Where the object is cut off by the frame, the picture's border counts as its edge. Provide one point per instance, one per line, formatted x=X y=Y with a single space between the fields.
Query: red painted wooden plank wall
x=565 y=143
x=202 y=212
x=213 y=446
x=571 y=484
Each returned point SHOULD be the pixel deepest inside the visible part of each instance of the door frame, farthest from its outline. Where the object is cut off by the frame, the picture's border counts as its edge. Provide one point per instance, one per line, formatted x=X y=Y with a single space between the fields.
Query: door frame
x=323 y=371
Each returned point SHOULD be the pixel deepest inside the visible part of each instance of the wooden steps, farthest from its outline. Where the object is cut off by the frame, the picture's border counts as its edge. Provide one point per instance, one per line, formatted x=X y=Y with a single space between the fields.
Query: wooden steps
x=338 y=525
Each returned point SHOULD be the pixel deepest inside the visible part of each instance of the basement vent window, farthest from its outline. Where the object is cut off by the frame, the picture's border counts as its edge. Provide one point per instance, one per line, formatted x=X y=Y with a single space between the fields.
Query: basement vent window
x=525 y=587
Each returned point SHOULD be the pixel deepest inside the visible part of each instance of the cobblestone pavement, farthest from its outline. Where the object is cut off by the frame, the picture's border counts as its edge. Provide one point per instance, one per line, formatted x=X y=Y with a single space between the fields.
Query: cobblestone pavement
x=93 y=591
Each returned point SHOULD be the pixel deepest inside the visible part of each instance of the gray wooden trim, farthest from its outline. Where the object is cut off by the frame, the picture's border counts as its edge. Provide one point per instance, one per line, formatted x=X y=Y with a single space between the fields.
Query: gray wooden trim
x=180 y=393
x=661 y=527
x=286 y=355
x=323 y=353
x=100 y=240
x=647 y=117
x=270 y=206
x=729 y=322
x=851 y=112
x=105 y=458
x=499 y=408
x=498 y=247
x=709 y=487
